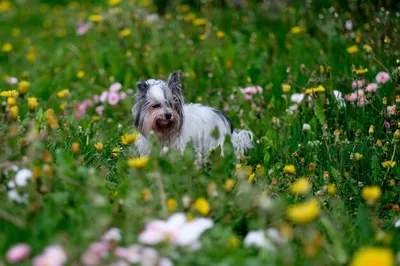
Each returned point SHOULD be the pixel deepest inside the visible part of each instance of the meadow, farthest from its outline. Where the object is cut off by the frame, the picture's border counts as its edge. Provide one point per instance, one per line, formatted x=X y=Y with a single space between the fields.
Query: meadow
x=317 y=84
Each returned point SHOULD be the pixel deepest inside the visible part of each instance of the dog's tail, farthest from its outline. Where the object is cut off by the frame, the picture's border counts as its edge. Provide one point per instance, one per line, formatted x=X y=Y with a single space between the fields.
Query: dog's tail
x=241 y=141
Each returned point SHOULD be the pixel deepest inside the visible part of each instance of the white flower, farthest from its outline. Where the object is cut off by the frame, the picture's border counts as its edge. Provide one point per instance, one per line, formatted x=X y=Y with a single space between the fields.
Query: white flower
x=397 y=223
x=14 y=195
x=297 y=97
x=22 y=177
x=165 y=262
x=52 y=256
x=258 y=239
x=149 y=257
x=306 y=127
x=274 y=235
x=131 y=253
x=113 y=234
x=349 y=24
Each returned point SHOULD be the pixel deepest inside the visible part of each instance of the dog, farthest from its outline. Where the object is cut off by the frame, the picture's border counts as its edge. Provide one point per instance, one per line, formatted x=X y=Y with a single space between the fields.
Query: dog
x=160 y=109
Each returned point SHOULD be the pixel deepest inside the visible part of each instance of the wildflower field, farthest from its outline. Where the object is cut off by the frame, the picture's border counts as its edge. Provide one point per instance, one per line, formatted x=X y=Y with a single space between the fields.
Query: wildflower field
x=317 y=82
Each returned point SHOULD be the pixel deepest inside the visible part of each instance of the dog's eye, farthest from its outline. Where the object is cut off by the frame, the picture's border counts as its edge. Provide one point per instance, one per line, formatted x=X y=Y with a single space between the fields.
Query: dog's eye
x=157 y=105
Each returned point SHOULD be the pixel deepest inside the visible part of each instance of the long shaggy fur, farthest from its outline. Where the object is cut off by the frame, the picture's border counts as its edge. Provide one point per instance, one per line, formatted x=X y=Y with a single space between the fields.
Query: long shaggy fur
x=160 y=108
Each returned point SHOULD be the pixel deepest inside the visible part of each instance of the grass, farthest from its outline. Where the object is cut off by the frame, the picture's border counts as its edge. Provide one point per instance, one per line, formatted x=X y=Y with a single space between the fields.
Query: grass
x=78 y=191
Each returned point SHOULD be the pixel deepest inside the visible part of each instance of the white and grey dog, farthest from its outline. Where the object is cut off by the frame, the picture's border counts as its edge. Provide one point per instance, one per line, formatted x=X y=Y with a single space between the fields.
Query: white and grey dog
x=160 y=108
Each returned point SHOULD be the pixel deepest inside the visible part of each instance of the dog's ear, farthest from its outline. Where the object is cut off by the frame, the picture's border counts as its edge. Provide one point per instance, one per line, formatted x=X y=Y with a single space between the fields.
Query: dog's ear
x=142 y=86
x=174 y=82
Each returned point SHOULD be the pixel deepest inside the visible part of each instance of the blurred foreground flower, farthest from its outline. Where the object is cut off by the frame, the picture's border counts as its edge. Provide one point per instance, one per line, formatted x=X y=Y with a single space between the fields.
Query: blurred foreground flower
x=258 y=239
x=139 y=162
x=23 y=86
x=303 y=213
x=32 y=103
x=297 y=30
x=373 y=256
x=352 y=49
x=300 y=187
x=18 y=253
x=8 y=94
x=127 y=139
x=52 y=256
x=371 y=194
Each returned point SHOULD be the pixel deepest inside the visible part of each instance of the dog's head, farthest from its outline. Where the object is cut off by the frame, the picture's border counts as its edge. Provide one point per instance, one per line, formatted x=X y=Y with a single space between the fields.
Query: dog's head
x=158 y=107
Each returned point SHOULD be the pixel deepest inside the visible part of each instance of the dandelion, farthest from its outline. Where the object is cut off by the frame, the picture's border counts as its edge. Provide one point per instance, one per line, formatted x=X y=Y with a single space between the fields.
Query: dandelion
x=286 y=88
x=229 y=184
x=371 y=256
x=220 y=34
x=391 y=110
x=139 y=162
x=202 y=206
x=367 y=48
x=320 y=88
x=113 y=2
x=125 y=33
x=289 y=169
x=95 y=18
x=371 y=194
x=80 y=74
x=11 y=101
x=300 y=187
x=63 y=94
x=372 y=87
x=303 y=213
x=389 y=164
x=127 y=139
x=99 y=146
x=233 y=242
x=297 y=30
x=357 y=156
x=32 y=103
x=352 y=49
x=331 y=189
x=371 y=130
x=382 y=77
x=199 y=21
x=171 y=205
x=7 y=47
x=14 y=112
x=18 y=253
x=361 y=71
x=23 y=86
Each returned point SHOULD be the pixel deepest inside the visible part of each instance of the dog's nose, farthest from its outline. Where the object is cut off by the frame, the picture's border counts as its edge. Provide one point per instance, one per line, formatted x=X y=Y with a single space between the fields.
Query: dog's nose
x=168 y=116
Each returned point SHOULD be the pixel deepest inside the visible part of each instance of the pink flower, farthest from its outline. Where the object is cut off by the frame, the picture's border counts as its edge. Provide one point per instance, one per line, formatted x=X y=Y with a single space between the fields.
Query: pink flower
x=247 y=97
x=96 y=98
x=226 y=107
x=99 y=110
x=115 y=87
x=52 y=256
x=386 y=124
x=104 y=96
x=352 y=97
x=165 y=262
x=82 y=28
x=122 y=95
x=113 y=98
x=232 y=97
x=18 y=253
x=349 y=24
x=149 y=257
x=95 y=253
x=297 y=97
x=12 y=80
x=391 y=110
x=357 y=84
x=113 y=234
x=130 y=254
x=372 y=87
x=382 y=77
x=129 y=91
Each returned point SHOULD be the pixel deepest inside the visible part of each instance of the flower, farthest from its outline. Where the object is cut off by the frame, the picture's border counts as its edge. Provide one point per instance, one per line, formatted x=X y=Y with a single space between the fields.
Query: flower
x=113 y=234
x=96 y=252
x=220 y=34
x=320 y=88
x=115 y=87
x=297 y=30
x=389 y=164
x=371 y=194
x=372 y=256
x=113 y=2
x=95 y=18
x=139 y=162
x=176 y=230
x=300 y=187
x=357 y=156
x=125 y=33
x=99 y=146
x=63 y=94
x=12 y=80
x=32 y=103
x=80 y=74
x=82 y=28
x=297 y=97
x=7 y=47
x=391 y=110
x=199 y=21
x=372 y=87
x=357 y=83
x=99 y=110
x=229 y=184
x=348 y=24
x=18 y=253
x=303 y=213
x=257 y=239
x=202 y=206
x=171 y=204
x=286 y=88
x=382 y=77
x=331 y=189
x=52 y=256
x=367 y=48
x=233 y=242
x=14 y=112
x=306 y=127
x=5 y=6
x=130 y=254
x=23 y=86
x=352 y=49
x=113 y=98
x=289 y=169
x=127 y=139
x=361 y=71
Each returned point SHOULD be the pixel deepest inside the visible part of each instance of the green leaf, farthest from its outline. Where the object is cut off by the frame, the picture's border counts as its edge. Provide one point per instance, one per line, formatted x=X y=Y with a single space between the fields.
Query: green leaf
x=319 y=112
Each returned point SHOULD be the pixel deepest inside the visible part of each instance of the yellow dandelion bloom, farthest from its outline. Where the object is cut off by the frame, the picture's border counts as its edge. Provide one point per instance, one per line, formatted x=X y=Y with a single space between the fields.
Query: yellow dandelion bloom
x=115 y=152
x=5 y=6
x=389 y=164
x=11 y=101
x=23 y=86
x=357 y=156
x=373 y=256
x=14 y=112
x=320 y=88
x=114 y=2
x=367 y=48
x=200 y=22
x=297 y=30
x=139 y=162
x=251 y=177
x=171 y=205
x=371 y=130
x=289 y=169
x=32 y=103
x=396 y=134
x=332 y=189
x=220 y=34
x=127 y=139
x=352 y=49
x=203 y=37
x=51 y=119
x=80 y=74
x=95 y=18
x=202 y=206
x=63 y=94
x=233 y=242
x=125 y=33
x=303 y=213
x=371 y=194
x=361 y=71
x=99 y=146
x=300 y=187
x=7 y=47
x=286 y=88
x=229 y=184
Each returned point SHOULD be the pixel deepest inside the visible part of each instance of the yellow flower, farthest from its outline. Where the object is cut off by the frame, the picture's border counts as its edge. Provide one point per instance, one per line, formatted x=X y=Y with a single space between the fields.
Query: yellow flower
x=99 y=146
x=189 y=17
x=5 y=6
x=229 y=184
x=289 y=169
x=23 y=86
x=115 y=152
x=367 y=48
x=113 y=2
x=233 y=242
x=75 y=147
x=171 y=204
x=332 y=189
x=396 y=134
x=320 y=88
x=14 y=112
x=199 y=22
x=361 y=71
x=127 y=139
x=184 y=8
x=220 y=34
x=300 y=187
x=63 y=94
x=11 y=101
x=297 y=30
x=80 y=74
x=373 y=256
x=203 y=37
x=371 y=194
x=95 y=18
x=7 y=47
x=251 y=177
x=32 y=103
x=303 y=213
x=286 y=88
x=202 y=206
x=125 y=33
x=51 y=119
x=352 y=49
x=139 y=162
x=146 y=194
x=371 y=130
x=387 y=164
x=357 y=156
